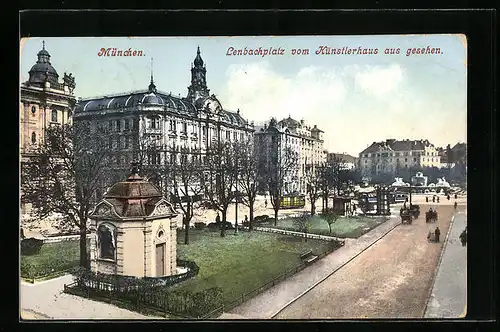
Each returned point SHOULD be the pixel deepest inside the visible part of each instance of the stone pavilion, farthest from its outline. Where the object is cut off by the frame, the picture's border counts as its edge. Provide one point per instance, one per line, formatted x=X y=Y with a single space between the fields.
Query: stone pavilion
x=133 y=231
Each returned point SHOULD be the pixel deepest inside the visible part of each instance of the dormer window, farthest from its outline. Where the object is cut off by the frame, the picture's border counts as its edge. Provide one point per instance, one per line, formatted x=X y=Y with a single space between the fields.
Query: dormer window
x=33 y=110
x=54 y=116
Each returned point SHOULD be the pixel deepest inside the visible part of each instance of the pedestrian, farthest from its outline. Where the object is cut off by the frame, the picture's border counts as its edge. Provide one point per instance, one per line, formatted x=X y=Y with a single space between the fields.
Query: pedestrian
x=245 y=223
x=463 y=237
x=217 y=219
x=448 y=197
x=455 y=196
x=438 y=199
x=455 y=205
x=265 y=203
x=437 y=233
x=433 y=199
x=427 y=199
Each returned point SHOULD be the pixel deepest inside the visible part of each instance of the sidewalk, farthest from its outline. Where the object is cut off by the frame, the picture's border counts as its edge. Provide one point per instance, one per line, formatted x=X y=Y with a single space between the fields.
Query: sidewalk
x=270 y=302
x=46 y=300
x=449 y=293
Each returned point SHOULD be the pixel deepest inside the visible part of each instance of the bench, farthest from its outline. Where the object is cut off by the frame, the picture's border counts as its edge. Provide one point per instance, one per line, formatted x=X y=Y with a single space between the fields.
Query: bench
x=308 y=256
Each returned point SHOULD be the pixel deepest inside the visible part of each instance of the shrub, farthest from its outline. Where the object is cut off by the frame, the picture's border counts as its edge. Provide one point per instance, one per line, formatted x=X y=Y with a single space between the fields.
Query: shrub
x=31 y=246
x=262 y=218
x=214 y=226
x=199 y=225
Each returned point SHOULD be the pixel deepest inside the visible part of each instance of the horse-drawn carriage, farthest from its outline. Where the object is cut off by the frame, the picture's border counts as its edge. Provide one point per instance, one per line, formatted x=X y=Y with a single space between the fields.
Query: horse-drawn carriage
x=406 y=216
x=431 y=216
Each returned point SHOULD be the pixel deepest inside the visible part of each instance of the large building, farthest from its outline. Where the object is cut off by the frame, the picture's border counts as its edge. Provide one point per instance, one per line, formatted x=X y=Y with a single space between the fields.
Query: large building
x=44 y=102
x=272 y=139
x=153 y=126
x=392 y=155
x=344 y=160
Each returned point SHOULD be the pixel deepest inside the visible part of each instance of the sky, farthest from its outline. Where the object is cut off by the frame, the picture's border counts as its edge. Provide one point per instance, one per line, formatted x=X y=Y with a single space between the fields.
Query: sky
x=356 y=99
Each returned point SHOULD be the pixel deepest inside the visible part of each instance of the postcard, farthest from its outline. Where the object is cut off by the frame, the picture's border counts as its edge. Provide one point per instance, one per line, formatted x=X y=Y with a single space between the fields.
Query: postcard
x=246 y=177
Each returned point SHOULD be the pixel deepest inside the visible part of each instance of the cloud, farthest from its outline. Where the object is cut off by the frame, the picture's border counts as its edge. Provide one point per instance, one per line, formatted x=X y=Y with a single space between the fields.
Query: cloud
x=355 y=105
x=379 y=81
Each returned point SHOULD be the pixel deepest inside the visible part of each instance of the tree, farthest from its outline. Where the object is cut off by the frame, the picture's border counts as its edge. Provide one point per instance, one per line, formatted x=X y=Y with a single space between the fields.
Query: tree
x=302 y=223
x=186 y=175
x=64 y=175
x=220 y=178
x=314 y=187
x=331 y=218
x=282 y=163
x=248 y=175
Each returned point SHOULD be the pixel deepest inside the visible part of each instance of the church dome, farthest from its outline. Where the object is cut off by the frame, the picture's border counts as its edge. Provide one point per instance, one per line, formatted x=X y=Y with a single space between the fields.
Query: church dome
x=43 y=69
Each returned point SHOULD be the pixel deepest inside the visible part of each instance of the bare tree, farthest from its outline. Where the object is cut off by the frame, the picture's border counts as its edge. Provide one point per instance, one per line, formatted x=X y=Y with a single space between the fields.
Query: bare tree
x=68 y=168
x=220 y=178
x=302 y=223
x=331 y=218
x=281 y=164
x=186 y=176
x=314 y=187
x=248 y=175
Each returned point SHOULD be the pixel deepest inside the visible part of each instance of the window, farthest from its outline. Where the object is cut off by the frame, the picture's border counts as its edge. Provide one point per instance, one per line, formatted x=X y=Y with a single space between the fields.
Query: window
x=106 y=241
x=173 y=126
x=33 y=110
x=126 y=124
x=184 y=127
x=406 y=160
x=54 y=115
x=414 y=160
x=118 y=125
x=228 y=135
x=33 y=137
x=127 y=141
x=241 y=136
x=155 y=123
x=122 y=142
x=110 y=125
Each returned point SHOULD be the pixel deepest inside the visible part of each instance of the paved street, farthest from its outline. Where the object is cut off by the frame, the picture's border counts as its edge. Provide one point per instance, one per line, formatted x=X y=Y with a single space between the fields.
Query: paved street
x=449 y=294
x=391 y=279
x=46 y=300
x=268 y=303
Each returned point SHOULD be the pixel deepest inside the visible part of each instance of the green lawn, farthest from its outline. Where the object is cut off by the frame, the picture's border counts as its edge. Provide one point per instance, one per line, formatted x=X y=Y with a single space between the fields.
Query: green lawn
x=52 y=258
x=239 y=264
x=352 y=227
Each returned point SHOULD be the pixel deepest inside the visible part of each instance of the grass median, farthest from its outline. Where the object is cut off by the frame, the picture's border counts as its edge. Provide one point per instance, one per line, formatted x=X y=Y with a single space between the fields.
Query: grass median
x=241 y=263
x=52 y=260
x=344 y=227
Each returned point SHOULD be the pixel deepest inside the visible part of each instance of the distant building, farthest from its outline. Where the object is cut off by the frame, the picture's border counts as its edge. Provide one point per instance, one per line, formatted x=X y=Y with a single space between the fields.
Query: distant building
x=273 y=138
x=346 y=161
x=392 y=155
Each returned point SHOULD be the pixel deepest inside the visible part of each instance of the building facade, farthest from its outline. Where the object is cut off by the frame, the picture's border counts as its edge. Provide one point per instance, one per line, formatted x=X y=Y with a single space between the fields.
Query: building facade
x=345 y=161
x=392 y=155
x=151 y=126
x=274 y=138
x=44 y=102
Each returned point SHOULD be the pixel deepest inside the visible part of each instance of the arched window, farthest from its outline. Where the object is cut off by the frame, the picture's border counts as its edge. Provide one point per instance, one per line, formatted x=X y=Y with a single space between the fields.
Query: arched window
x=33 y=110
x=106 y=241
x=33 y=137
x=54 y=115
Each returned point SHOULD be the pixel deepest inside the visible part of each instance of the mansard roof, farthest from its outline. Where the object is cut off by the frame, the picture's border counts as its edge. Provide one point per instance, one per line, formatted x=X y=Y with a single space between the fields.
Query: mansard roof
x=147 y=97
x=395 y=145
